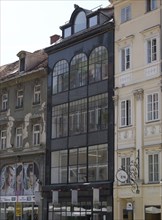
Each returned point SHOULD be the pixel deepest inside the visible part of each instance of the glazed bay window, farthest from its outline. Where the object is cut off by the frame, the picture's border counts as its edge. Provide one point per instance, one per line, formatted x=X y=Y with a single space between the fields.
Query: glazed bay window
x=60 y=76
x=98 y=112
x=98 y=64
x=78 y=71
x=59 y=121
x=152 y=107
x=19 y=137
x=125 y=14
x=36 y=94
x=151 y=5
x=59 y=166
x=153 y=167
x=78 y=117
x=36 y=134
x=125 y=113
x=125 y=165
x=125 y=58
x=4 y=101
x=3 y=139
x=19 y=101
x=151 y=50
x=98 y=163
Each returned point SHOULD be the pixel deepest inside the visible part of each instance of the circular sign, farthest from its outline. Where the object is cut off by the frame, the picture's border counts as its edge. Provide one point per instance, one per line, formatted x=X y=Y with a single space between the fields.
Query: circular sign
x=121 y=175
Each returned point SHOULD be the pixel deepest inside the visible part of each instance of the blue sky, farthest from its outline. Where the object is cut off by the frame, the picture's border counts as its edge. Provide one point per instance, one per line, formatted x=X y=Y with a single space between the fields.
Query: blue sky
x=28 y=25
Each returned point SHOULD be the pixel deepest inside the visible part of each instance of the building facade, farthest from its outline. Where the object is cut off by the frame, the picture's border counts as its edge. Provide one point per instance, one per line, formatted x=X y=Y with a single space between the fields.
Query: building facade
x=80 y=119
x=22 y=136
x=138 y=110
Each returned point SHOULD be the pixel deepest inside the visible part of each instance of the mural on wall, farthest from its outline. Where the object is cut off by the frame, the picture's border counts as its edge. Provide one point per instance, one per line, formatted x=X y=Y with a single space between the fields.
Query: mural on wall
x=19 y=179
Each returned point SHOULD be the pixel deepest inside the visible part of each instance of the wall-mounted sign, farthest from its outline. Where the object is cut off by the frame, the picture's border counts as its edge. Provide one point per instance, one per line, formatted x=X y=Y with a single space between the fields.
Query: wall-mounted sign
x=121 y=175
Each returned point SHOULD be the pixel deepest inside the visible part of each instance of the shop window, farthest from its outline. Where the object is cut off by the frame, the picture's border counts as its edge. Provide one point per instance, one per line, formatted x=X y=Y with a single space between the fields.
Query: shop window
x=98 y=64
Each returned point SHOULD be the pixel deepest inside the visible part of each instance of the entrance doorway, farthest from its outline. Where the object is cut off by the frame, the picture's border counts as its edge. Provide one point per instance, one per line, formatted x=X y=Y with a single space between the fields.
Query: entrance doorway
x=127 y=214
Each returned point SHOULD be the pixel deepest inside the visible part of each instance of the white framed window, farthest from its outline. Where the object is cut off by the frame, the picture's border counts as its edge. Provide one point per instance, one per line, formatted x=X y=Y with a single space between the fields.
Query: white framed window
x=152 y=50
x=19 y=137
x=125 y=14
x=36 y=134
x=37 y=94
x=125 y=58
x=125 y=165
x=126 y=113
x=19 y=101
x=153 y=107
x=153 y=167
x=151 y=5
x=3 y=139
x=4 y=101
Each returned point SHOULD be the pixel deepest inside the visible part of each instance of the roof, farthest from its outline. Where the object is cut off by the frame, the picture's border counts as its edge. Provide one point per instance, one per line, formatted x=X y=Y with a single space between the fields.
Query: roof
x=38 y=59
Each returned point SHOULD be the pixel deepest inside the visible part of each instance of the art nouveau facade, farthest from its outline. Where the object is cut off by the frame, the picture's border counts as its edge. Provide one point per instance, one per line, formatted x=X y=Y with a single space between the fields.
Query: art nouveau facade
x=138 y=109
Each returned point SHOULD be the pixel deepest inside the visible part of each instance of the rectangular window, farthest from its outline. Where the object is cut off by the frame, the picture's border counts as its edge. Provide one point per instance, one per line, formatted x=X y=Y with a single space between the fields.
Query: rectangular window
x=19 y=102
x=125 y=165
x=152 y=107
x=19 y=137
x=153 y=167
x=59 y=121
x=4 y=101
x=151 y=5
x=93 y=21
x=37 y=94
x=36 y=134
x=125 y=14
x=98 y=112
x=125 y=113
x=125 y=58
x=22 y=64
x=3 y=139
x=151 y=50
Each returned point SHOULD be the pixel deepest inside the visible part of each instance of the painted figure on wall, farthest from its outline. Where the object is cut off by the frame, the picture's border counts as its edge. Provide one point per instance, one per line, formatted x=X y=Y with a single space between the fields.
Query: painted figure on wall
x=8 y=181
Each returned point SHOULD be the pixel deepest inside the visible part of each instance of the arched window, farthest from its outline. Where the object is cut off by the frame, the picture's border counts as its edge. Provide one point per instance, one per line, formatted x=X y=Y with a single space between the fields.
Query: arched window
x=78 y=71
x=80 y=22
x=98 y=64
x=60 y=76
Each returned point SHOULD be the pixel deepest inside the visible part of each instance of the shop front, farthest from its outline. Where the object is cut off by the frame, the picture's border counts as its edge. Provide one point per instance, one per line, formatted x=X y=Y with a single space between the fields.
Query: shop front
x=18 y=184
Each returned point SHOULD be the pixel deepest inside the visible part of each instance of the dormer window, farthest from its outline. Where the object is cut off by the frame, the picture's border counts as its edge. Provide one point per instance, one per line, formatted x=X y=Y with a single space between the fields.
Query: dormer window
x=67 y=32
x=93 y=21
x=80 y=22
x=22 y=64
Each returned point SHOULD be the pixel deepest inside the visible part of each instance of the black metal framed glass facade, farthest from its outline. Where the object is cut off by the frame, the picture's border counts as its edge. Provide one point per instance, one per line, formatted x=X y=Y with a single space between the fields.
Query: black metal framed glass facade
x=60 y=76
x=78 y=71
x=98 y=64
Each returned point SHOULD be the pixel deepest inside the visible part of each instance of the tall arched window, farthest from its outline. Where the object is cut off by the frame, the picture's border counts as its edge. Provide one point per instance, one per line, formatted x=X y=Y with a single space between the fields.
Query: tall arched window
x=60 y=76
x=98 y=64
x=80 y=22
x=78 y=71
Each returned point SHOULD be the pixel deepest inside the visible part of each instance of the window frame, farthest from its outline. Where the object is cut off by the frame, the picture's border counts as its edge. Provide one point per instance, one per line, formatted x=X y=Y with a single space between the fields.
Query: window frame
x=125 y=14
x=19 y=98
x=127 y=112
x=153 y=178
x=4 y=101
x=37 y=94
x=150 y=53
x=153 y=111
x=19 y=137
x=126 y=166
x=3 y=139
x=150 y=5
x=36 y=135
x=125 y=58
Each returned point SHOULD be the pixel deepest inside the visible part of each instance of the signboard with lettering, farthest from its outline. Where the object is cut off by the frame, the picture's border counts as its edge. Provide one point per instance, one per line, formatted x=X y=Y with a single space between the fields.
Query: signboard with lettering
x=121 y=175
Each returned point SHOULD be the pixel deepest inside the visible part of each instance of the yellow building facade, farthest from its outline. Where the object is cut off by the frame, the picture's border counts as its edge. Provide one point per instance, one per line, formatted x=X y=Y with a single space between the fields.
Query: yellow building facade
x=138 y=110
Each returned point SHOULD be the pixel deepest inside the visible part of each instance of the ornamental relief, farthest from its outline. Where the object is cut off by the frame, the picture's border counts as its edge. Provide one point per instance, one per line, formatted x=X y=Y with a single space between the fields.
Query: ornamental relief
x=152 y=130
x=125 y=135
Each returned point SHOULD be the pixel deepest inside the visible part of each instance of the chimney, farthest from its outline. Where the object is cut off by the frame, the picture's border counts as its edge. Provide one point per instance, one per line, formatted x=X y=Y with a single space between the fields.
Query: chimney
x=54 y=38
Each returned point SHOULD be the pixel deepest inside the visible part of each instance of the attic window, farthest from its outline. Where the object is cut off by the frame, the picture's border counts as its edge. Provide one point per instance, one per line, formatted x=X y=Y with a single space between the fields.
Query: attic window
x=93 y=21
x=67 y=32
x=80 y=22
x=22 y=64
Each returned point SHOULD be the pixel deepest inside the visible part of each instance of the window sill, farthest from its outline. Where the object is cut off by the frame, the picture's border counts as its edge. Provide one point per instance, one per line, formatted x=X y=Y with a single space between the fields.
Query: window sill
x=152 y=121
x=126 y=126
x=36 y=103
x=18 y=107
